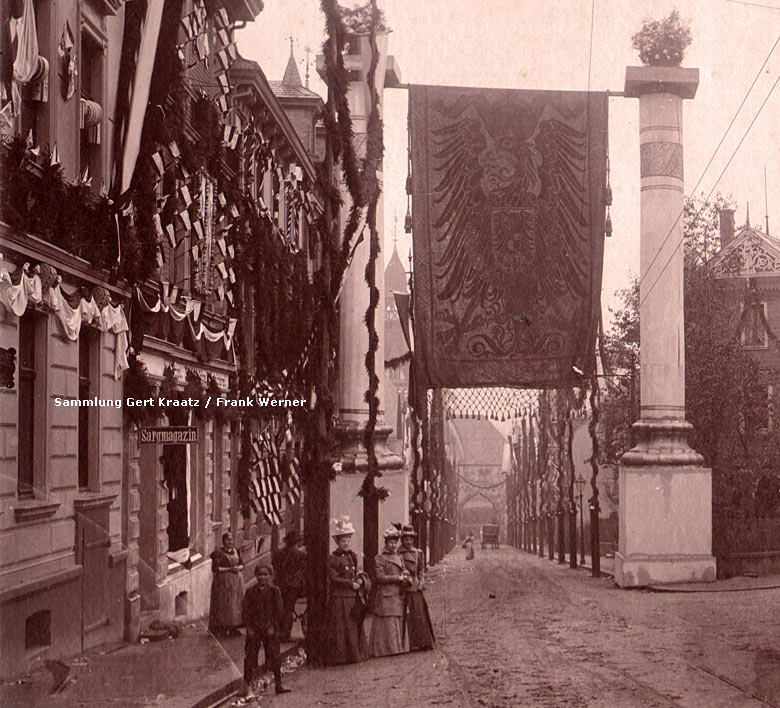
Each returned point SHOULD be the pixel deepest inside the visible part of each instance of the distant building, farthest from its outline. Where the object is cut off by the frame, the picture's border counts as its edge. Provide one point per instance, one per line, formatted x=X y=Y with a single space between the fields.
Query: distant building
x=397 y=380
x=477 y=449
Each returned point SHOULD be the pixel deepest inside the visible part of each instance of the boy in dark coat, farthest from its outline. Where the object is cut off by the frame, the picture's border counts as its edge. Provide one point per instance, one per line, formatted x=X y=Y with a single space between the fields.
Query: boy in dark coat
x=263 y=614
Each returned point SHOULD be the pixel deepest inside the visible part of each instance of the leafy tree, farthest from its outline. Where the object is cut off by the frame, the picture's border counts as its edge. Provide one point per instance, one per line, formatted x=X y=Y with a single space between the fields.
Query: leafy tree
x=725 y=387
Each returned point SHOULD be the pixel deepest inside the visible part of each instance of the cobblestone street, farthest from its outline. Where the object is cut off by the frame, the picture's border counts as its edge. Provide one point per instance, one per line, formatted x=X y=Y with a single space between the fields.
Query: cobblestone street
x=556 y=637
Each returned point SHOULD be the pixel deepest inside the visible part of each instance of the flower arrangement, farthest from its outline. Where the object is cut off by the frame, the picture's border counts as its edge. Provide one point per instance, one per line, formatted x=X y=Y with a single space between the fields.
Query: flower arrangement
x=357 y=20
x=663 y=42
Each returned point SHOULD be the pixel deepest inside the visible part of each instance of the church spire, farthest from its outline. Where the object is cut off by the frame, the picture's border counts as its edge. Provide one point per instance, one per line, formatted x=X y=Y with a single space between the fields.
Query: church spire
x=291 y=75
x=747 y=216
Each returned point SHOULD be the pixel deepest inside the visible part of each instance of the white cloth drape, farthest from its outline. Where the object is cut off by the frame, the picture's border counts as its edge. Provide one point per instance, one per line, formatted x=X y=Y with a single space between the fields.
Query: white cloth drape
x=16 y=298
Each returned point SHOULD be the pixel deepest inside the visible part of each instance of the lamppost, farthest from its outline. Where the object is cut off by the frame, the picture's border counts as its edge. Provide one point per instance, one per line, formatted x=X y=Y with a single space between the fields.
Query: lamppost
x=580 y=482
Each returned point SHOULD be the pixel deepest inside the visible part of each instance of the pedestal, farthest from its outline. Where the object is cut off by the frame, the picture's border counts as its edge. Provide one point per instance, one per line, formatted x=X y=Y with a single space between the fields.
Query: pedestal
x=665 y=526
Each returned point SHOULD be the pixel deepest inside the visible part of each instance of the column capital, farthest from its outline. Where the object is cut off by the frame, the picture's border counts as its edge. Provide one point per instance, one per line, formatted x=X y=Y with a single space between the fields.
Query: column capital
x=678 y=80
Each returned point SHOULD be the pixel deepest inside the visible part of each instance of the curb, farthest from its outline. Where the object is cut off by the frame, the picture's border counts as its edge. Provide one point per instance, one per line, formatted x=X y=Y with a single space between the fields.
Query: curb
x=237 y=683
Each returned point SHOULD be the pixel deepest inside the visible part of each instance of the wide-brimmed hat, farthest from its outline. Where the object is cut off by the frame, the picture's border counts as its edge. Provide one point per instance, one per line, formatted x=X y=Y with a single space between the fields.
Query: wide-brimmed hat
x=292 y=537
x=391 y=532
x=343 y=527
x=408 y=530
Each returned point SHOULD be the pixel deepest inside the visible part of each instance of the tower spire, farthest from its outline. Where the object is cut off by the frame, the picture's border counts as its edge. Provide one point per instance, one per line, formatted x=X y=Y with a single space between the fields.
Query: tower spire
x=291 y=75
x=747 y=216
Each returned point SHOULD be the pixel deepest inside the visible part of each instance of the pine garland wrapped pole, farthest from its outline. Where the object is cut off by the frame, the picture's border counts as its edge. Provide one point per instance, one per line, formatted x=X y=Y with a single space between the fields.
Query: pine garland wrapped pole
x=374 y=148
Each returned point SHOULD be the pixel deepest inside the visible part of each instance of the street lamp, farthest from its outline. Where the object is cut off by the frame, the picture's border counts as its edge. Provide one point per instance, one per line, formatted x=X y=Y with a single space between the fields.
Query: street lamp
x=580 y=482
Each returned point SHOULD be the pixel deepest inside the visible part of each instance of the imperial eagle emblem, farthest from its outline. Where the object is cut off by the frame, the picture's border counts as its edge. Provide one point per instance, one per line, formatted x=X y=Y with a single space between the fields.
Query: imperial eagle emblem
x=505 y=201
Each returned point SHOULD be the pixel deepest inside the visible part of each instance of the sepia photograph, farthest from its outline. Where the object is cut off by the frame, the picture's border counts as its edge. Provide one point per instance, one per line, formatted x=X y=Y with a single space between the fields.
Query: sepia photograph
x=400 y=353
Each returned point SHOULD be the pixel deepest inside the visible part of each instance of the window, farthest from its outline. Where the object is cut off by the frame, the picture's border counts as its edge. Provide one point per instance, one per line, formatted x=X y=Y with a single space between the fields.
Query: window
x=27 y=384
x=754 y=325
x=758 y=405
x=87 y=420
x=91 y=82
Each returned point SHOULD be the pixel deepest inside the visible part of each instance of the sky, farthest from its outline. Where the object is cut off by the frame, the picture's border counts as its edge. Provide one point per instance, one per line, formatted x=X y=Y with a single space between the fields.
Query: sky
x=547 y=45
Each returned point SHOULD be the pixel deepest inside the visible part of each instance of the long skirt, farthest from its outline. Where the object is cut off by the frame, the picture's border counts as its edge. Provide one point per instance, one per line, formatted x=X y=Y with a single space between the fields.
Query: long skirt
x=419 y=629
x=386 y=636
x=345 y=638
x=227 y=594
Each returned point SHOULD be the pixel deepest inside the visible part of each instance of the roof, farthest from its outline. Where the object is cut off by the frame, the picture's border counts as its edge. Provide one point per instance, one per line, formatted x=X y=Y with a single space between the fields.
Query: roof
x=248 y=72
x=291 y=76
x=751 y=253
x=291 y=85
x=481 y=443
x=283 y=90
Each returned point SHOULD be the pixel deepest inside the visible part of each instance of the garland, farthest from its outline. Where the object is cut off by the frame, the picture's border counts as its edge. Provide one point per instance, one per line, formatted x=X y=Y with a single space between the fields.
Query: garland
x=374 y=150
x=36 y=199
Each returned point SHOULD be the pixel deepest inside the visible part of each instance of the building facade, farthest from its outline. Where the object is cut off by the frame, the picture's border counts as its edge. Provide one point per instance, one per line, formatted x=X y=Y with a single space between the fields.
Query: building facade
x=63 y=334
x=157 y=210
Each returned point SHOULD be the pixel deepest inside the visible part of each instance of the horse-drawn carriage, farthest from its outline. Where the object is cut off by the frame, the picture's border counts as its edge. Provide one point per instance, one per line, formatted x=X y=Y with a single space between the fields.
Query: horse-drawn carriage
x=489 y=536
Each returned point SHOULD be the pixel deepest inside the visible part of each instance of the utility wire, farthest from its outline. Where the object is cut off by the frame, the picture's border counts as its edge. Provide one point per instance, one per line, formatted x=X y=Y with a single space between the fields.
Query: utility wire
x=712 y=157
x=680 y=242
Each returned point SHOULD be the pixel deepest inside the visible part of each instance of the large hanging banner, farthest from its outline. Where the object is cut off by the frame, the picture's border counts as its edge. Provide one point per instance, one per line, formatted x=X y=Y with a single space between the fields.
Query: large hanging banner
x=508 y=195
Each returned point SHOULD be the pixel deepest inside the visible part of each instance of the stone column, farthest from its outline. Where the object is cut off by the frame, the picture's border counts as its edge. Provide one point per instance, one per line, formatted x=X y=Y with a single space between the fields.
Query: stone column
x=353 y=337
x=665 y=492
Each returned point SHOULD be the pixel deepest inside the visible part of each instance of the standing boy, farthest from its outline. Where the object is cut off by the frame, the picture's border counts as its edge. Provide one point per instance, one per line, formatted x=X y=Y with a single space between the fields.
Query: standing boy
x=263 y=616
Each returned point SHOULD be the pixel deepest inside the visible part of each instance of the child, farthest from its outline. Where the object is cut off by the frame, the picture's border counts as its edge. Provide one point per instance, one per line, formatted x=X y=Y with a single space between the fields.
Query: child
x=263 y=615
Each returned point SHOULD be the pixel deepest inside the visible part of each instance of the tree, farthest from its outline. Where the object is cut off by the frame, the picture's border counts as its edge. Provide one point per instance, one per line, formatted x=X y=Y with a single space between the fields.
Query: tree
x=723 y=382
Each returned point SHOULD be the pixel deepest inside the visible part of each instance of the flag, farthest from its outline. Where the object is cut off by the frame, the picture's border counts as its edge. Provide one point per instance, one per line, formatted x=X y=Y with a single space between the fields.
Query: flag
x=508 y=190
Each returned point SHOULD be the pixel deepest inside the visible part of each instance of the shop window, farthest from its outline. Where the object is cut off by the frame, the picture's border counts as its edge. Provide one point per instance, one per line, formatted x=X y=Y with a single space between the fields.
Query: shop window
x=30 y=401
x=37 y=630
x=175 y=462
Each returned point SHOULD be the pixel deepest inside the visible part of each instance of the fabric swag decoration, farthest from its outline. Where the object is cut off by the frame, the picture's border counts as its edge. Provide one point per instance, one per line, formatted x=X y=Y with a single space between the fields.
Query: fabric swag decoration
x=508 y=193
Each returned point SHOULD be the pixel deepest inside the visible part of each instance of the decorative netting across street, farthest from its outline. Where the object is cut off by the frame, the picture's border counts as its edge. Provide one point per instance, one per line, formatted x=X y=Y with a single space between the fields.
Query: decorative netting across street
x=492 y=403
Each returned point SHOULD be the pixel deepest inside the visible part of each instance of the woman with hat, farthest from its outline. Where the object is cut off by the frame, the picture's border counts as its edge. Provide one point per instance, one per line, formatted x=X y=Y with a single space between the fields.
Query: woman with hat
x=391 y=577
x=417 y=620
x=345 y=638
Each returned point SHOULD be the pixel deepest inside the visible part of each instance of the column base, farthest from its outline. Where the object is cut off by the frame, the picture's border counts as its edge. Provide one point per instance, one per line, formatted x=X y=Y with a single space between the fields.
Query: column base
x=351 y=450
x=640 y=570
x=662 y=442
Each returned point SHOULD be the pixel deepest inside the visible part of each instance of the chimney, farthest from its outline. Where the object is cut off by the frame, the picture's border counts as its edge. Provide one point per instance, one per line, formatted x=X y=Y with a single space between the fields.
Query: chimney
x=726 y=226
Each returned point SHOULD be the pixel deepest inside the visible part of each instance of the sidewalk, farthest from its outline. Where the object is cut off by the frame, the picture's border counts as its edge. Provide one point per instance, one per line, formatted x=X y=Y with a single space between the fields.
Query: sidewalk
x=193 y=670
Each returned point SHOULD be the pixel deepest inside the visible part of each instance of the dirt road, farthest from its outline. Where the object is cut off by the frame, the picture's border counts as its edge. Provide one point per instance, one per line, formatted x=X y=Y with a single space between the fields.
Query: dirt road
x=517 y=630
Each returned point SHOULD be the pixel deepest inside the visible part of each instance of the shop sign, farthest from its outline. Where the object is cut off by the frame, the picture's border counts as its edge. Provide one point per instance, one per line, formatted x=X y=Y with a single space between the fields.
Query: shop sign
x=169 y=435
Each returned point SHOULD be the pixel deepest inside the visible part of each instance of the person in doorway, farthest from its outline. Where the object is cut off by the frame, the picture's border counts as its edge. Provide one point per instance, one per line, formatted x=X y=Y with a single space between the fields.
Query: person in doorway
x=263 y=615
x=417 y=620
x=468 y=544
x=227 y=589
x=290 y=568
x=392 y=579
x=345 y=638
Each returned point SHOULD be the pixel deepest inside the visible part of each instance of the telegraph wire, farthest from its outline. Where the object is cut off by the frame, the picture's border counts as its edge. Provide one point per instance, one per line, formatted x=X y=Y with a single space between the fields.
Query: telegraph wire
x=723 y=171
x=712 y=157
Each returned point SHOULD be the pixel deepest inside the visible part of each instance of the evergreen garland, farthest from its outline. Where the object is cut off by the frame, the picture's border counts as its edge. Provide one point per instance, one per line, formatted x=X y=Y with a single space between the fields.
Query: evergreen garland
x=374 y=150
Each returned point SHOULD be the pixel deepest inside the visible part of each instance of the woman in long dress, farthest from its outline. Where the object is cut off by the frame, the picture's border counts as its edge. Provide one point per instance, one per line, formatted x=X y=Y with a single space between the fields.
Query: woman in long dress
x=468 y=544
x=227 y=589
x=345 y=639
x=391 y=578
x=418 y=625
